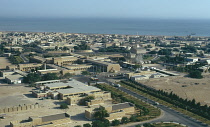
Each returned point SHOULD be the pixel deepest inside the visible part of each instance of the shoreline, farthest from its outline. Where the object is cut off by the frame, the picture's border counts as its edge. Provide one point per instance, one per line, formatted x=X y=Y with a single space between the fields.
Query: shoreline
x=105 y=34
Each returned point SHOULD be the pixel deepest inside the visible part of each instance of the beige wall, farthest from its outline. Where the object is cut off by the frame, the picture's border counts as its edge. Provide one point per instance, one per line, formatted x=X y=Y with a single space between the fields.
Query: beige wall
x=19 y=108
x=61 y=61
x=28 y=67
x=34 y=121
x=116 y=115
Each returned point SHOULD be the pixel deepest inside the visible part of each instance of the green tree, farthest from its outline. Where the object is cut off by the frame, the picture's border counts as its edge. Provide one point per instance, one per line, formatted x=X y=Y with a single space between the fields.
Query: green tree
x=78 y=126
x=133 y=118
x=67 y=75
x=101 y=113
x=85 y=73
x=32 y=78
x=152 y=52
x=165 y=52
x=136 y=66
x=97 y=123
x=88 y=99
x=82 y=46
x=124 y=120
x=64 y=106
x=148 y=125
x=195 y=74
x=50 y=76
x=56 y=48
x=87 y=125
x=65 y=48
x=115 y=122
x=106 y=122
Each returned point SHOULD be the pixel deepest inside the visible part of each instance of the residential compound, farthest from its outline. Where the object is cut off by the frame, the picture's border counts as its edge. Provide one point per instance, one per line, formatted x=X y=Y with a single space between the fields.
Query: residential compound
x=75 y=92
x=56 y=52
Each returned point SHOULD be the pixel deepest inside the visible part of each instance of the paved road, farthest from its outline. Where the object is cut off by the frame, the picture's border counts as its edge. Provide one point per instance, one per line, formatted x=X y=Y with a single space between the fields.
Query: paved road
x=169 y=114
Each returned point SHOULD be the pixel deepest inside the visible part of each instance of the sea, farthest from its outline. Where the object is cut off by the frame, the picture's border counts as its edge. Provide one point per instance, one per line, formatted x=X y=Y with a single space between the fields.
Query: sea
x=156 y=27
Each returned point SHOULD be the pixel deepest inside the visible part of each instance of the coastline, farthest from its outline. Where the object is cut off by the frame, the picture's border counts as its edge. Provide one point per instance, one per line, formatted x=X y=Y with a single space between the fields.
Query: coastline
x=144 y=27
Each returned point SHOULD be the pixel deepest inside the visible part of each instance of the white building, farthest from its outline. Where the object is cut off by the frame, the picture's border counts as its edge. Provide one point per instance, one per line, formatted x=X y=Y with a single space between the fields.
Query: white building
x=14 y=79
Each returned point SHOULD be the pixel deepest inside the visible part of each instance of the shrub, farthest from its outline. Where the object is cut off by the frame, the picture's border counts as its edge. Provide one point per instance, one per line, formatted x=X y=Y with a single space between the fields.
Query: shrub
x=115 y=122
x=64 y=106
x=124 y=120
x=87 y=125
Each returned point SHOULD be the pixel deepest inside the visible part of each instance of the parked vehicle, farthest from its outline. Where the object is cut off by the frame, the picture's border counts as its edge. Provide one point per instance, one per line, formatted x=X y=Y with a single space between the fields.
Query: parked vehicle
x=117 y=85
x=94 y=78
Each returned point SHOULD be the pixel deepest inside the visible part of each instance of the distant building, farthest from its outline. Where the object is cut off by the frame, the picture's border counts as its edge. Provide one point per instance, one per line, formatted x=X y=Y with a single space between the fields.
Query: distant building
x=62 y=61
x=104 y=66
x=139 y=77
x=6 y=73
x=137 y=50
x=192 y=59
x=25 y=67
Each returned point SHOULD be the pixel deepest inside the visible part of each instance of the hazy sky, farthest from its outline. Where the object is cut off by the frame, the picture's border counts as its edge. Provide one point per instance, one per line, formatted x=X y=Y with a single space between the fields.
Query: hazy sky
x=106 y=8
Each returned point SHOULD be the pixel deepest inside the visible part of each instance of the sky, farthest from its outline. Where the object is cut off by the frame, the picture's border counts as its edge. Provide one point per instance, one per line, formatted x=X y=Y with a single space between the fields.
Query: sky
x=166 y=9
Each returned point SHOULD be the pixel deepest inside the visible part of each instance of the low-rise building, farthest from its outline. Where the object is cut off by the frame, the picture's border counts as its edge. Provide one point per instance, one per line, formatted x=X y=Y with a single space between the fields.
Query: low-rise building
x=139 y=77
x=24 y=67
x=62 y=90
x=45 y=121
x=99 y=98
x=14 y=79
x=105 y=66
x=6 y=73
x=62 y=61
x=115 y=111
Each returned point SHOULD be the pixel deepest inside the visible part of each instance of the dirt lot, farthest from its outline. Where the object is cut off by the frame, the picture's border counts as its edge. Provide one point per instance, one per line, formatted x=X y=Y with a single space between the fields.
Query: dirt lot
x=198 y=89
x=4 y=62
x=13 y=95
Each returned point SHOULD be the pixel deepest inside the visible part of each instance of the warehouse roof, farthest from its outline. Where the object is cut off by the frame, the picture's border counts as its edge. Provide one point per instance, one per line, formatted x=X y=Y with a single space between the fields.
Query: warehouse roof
x=81 y=89
x=72 y=83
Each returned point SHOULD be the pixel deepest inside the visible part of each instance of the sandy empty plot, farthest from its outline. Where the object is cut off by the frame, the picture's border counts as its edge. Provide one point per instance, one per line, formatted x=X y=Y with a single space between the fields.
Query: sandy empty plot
x=51 y=107
x=198 y=89
x=4 y=62
x=13 y=95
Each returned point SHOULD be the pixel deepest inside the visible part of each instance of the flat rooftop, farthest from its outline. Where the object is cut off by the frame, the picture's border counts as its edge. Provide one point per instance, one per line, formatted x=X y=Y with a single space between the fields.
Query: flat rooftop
x=48 y=81
x=76 y=90
x=54 y=117
x=122 y=106
x=72 y=83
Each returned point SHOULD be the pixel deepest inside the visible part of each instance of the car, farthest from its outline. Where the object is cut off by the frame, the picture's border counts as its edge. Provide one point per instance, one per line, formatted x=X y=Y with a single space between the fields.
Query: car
x=156 y=103
x=117 y=85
